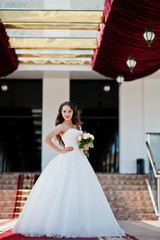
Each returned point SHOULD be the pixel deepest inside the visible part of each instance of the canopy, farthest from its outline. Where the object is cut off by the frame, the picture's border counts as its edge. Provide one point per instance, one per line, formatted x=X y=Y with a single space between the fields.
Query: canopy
x=8 y=58
x=121 y=35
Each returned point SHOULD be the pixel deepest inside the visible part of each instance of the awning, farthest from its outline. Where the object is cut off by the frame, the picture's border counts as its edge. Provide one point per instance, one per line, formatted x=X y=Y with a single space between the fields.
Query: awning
x=8 y=58
x=121 y=35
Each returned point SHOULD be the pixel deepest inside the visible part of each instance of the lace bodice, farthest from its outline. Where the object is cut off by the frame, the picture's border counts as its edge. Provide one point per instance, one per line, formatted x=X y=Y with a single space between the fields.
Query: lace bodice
x=70 y=137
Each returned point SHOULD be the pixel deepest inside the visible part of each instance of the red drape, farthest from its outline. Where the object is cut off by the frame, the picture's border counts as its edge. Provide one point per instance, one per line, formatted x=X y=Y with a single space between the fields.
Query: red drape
x=121 y=35
x=8 y=57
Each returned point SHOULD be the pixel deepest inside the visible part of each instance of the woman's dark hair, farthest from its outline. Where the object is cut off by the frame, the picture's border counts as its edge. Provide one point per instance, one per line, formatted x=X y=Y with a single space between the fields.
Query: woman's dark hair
x=75 y=118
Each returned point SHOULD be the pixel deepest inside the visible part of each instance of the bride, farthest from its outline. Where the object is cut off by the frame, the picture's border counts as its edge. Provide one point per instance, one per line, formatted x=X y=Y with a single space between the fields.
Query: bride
x=67 y=199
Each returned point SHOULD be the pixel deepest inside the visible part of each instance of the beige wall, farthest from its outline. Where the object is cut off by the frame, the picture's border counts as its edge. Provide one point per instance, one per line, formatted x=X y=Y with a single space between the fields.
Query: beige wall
x=139 y=113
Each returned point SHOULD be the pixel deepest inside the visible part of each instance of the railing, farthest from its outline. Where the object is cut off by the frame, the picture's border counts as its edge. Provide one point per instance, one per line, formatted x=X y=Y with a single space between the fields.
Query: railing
x=153 y=181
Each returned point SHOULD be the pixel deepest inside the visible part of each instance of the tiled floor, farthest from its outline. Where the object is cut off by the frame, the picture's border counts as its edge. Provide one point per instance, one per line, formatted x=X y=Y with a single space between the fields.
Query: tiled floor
x=143 y=230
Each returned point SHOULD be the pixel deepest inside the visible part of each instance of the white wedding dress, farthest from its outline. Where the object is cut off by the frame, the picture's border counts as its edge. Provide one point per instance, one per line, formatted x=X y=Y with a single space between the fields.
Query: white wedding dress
x=67 y=199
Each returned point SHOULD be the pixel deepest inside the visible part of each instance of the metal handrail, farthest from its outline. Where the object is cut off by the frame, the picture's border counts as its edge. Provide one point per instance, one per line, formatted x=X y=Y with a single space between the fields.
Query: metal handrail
x=157 y=176
x=152 y=160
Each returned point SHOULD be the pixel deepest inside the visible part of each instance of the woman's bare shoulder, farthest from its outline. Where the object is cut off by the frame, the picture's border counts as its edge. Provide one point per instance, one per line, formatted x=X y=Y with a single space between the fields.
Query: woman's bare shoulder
x=60 y=127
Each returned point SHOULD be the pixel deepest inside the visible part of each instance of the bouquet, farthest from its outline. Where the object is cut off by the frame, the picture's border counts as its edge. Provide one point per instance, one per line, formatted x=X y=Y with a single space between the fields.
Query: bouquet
x=86 y=142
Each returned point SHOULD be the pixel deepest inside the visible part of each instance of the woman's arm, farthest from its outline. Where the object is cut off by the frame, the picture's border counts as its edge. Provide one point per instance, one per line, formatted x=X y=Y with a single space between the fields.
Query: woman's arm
x=53 y=133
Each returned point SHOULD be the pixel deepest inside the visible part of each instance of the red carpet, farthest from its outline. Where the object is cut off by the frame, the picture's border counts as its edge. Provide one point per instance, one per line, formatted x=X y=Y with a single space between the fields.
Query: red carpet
x=8 y=235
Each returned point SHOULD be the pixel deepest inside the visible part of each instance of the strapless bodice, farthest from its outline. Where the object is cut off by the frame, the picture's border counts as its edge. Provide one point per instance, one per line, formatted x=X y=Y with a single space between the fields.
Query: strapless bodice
x=70 y=137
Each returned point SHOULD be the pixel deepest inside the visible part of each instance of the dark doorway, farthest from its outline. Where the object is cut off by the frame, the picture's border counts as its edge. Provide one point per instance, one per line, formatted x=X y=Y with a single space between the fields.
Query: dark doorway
x=20 y=125
x=97 y=101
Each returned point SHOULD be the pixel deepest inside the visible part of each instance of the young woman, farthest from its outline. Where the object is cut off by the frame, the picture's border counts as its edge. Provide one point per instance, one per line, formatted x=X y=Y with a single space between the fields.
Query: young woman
x=67 y=199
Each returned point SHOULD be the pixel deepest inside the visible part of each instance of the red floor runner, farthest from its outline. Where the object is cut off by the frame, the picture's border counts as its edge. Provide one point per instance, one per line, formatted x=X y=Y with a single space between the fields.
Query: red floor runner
x=8 y=235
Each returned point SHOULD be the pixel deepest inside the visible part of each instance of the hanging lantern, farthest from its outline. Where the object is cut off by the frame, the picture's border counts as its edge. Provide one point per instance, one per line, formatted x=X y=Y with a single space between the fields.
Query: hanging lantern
x=149 y=35
x=120 y=78
x=131 y=63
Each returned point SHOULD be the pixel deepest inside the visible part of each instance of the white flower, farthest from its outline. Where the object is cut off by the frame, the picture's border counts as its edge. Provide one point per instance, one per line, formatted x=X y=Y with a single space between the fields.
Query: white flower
x=79 y=138
x=85 y=136
x=92 y=137
x=88 y=135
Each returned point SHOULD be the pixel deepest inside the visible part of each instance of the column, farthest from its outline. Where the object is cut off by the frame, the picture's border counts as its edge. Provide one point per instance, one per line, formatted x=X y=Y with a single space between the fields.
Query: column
x=56 y=90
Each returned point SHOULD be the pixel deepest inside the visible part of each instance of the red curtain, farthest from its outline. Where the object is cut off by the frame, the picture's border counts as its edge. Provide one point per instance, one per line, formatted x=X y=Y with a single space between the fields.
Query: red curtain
x=8 y=57
x=121 y=35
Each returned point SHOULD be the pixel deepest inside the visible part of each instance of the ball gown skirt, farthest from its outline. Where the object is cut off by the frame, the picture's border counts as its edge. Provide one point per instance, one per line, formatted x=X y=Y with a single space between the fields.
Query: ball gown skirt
x=67 y=199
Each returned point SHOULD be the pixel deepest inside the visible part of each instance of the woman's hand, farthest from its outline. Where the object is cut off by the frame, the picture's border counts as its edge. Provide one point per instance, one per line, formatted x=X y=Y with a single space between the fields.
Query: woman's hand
x=67 y=149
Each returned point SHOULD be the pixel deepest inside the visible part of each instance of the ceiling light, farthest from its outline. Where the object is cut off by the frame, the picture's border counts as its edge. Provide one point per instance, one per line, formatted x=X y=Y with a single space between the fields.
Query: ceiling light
x=131 y=63
x=106 y=88
x=149 y=35
x=120 y=78
x=4 y=87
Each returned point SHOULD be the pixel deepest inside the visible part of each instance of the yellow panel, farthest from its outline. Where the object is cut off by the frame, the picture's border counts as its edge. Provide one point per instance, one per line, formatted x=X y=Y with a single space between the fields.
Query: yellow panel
x=52 y=26
x=47 y=16
x=56 y=62
x=53 y=43
x=56 y=55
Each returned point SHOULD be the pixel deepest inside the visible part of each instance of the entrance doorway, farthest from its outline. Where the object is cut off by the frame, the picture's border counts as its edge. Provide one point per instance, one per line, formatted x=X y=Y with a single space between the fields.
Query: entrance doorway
x=97 y=101
x=20 y=125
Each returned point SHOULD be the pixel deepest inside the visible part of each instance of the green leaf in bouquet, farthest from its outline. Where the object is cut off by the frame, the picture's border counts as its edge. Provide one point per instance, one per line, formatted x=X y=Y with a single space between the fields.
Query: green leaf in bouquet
x=80 y=145
x=91 y=145
x=87 y=154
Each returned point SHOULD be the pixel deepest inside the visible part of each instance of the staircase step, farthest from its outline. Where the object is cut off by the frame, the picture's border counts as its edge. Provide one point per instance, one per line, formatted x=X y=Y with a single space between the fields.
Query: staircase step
x=16 y=214
x=7 y=209
x=8 y=181
x=135 y=217
x=7 y=198
x=132 y=210
x=20 y=203
x=124 y=187
x=18 y=209
x=131 y=205
x=7 y=187
x=6 y=215
x=102 y=176
x=122 y=182
x=22 y=197
x=23 y=192
x=7 y=204
x=9 y=176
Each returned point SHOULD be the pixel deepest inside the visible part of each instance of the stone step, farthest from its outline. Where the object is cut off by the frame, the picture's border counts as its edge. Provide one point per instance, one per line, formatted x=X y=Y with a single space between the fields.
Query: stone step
x=11 y=176
x=131 y=205
x=7 y=209
x=18 y=209
x=7 y=198
x=117 y=176
x=138 y=195
x=6 y=215
x=8 y=181
x=132 y=210
x=122 y=182
x=7 y=204
x=8 y=192
x=16 y=214
x=26 y=187
x=124 y=187
x=136 y=217
x=113 y=198
x=22 y=197
x=20 y=203
x=8 y=186
x=23 y=192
